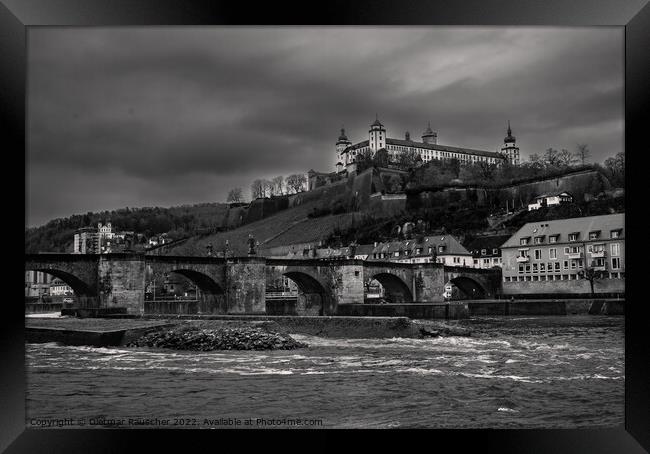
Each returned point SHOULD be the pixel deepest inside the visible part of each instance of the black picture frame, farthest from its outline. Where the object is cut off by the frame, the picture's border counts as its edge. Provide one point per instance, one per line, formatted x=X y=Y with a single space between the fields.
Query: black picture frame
x=17 y=15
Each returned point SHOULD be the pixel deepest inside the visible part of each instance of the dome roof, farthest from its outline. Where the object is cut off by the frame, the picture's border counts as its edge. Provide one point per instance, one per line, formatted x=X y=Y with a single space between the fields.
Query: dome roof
x=343 y=137
x=428 y=131
x=377 y=122
x=509 y=138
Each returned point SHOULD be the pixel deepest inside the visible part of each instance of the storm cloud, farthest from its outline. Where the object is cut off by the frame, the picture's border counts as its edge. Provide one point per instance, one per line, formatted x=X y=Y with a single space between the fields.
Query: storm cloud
x=144 y=116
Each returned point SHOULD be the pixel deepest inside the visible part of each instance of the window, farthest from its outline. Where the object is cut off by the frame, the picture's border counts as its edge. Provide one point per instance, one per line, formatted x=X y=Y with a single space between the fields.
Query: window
x=535 y=269
x=615 y=233
x=552 y=254
x=524 y=241
x=597 y=248
x=495 y=251
x=483 y=251
x=566 y=264
x=528 y=268
x=539 y=239
x=475 y=261
x=396 y=254
x=441 y=249
x=616 y=263
x=538 y=254
x=542 y=267
x=616 y=249
x=594 y=235
x=573 y=236
x=486 y=261
x=557 y=266
x=521 y=268
x=599 y=262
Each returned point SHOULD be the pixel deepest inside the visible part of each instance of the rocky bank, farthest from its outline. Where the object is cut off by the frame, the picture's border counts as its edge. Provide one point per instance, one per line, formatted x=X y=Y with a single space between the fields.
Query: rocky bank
x=197 y=339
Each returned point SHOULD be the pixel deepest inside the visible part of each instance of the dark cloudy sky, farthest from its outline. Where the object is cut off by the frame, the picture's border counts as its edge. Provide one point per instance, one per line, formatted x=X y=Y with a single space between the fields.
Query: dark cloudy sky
x=165 y=116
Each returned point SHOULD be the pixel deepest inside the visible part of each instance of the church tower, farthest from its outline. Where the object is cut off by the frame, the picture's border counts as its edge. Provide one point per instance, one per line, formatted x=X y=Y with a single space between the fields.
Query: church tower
x=510 y=148
x=377 y=139
x=429 y=136
x=341 y=145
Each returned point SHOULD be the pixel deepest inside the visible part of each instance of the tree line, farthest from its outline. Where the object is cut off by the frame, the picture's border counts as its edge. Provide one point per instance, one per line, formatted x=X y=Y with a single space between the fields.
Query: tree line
x=261 y=188
x=551 y=163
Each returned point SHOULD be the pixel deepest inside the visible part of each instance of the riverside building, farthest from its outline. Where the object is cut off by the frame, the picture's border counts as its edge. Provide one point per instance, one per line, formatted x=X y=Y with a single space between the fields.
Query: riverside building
x=556 y=257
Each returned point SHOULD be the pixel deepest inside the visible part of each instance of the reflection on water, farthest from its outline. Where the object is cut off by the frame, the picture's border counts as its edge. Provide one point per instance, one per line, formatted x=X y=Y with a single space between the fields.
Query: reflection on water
x=514 y=372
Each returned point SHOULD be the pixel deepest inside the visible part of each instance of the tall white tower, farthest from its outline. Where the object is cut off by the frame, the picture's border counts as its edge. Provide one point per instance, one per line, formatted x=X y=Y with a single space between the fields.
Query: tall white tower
x=509 y=148
x=377 y=139
x=429 y=136
x=341 y=145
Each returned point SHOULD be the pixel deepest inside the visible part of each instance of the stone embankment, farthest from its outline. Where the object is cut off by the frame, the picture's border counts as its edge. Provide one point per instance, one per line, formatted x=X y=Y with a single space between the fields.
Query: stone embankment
x=192 y=338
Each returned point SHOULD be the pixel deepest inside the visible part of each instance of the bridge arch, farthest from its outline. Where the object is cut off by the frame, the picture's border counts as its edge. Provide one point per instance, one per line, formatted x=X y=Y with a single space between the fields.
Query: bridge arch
x=397 y=291
x=80 y=287
x=211 y=300
x=313 y=297
x=471 y=288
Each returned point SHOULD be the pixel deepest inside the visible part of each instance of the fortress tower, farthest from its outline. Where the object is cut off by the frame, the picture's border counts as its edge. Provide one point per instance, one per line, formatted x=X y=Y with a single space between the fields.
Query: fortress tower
x=509 y=148
x=377 y=139
x=429 y=136
x=341 y=145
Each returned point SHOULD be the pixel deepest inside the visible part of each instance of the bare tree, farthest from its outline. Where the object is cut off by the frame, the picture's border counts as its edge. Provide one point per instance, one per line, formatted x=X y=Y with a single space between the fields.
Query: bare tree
x=268 y=188
x=235 y=196
x=582 y=153
x=552 y=158
x=616 y=167
x=278 y=185
x=257 y=189
x=565 y=158
x=296 y=182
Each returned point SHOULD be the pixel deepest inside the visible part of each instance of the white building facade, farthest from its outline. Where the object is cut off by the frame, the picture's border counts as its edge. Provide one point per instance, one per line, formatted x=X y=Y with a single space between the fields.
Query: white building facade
x=428 y=149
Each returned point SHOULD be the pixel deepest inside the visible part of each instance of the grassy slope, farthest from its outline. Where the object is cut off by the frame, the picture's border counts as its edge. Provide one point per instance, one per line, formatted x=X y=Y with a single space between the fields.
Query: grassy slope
x=290 y=226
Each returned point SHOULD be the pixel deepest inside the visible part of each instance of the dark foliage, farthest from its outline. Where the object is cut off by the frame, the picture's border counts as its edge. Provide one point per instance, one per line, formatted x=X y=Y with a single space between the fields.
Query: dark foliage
x=178 y=222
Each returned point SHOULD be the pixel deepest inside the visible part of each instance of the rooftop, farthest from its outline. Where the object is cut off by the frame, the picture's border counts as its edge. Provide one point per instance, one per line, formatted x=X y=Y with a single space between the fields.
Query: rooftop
x=430 y=146
x=563 y=227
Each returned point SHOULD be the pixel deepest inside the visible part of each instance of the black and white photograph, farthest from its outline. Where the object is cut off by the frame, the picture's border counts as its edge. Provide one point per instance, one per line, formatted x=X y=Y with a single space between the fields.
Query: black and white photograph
x=325 y=227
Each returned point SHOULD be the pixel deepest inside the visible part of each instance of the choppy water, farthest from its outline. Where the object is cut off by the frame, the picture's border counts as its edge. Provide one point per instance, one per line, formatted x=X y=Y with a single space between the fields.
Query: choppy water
x=539 y=372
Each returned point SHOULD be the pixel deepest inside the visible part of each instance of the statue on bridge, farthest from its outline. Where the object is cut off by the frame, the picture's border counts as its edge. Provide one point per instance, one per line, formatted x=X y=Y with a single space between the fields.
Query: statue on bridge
x=208 y=249
x=251 y=244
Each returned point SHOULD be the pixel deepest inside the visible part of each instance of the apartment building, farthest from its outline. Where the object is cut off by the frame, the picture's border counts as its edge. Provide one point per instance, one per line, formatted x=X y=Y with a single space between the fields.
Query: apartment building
x=555 y=256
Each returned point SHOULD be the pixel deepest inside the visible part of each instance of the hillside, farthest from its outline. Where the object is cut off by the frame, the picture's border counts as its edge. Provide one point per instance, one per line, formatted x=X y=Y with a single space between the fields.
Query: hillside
x=291 y=226
x=179 y=222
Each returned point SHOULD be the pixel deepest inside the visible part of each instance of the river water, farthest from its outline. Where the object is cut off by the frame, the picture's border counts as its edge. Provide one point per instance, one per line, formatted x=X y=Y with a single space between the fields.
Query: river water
x=514 y=372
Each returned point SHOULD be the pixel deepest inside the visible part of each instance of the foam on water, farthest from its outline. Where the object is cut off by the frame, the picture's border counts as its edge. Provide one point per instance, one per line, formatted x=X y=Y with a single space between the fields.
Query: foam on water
x=565 y=375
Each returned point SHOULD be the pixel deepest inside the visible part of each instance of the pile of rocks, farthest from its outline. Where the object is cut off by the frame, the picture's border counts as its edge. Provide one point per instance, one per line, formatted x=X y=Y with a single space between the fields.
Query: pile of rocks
x=217 y=339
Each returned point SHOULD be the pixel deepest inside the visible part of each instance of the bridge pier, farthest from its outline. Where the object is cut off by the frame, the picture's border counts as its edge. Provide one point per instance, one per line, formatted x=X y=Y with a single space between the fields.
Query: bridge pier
x=121 y=282
x=246 y=286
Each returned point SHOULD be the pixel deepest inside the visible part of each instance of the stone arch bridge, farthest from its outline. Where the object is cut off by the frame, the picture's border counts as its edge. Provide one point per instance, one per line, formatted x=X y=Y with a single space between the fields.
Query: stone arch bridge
x=238 y=285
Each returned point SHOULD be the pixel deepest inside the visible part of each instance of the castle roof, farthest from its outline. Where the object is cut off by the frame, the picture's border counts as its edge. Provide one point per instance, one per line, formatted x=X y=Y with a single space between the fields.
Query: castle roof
x=377 y=122
x=343 y=138
x=428 y=132
x=509 y=138
x=429 y=146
